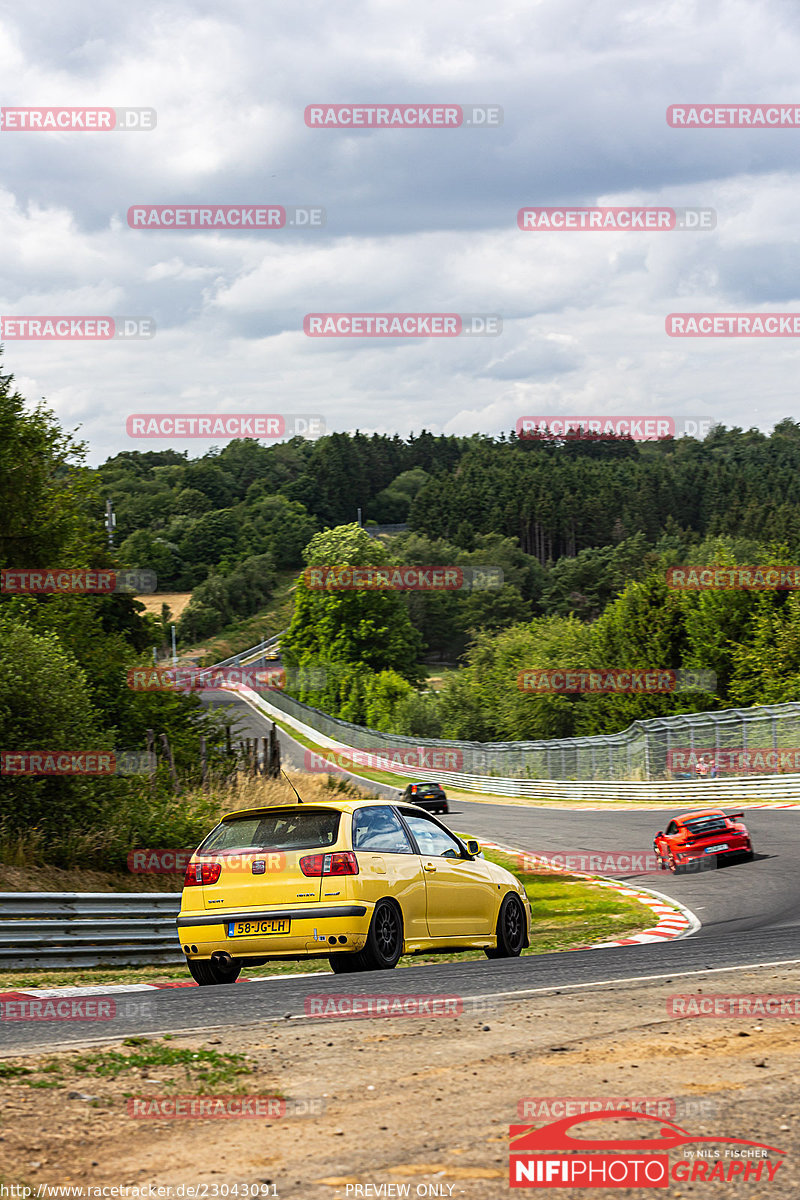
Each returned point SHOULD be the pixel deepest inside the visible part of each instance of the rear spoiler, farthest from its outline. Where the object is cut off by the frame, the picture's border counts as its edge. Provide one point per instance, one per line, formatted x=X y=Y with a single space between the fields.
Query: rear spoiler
x=733 y=816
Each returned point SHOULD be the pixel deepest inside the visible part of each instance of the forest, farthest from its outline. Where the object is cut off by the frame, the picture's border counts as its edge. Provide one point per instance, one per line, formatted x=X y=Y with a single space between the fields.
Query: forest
x=582 y=530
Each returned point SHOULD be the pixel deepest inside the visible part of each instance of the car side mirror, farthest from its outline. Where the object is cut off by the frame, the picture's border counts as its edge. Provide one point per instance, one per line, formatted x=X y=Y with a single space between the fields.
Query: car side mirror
x=473 y=847
x=660 y=833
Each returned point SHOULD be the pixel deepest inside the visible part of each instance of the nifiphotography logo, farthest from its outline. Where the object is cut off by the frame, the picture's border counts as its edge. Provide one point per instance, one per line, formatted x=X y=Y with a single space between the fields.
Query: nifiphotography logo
x=630 y=1162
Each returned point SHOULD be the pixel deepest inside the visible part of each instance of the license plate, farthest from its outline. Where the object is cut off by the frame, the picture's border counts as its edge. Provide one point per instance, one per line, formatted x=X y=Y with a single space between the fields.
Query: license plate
x=714 y=849
x=259 y=928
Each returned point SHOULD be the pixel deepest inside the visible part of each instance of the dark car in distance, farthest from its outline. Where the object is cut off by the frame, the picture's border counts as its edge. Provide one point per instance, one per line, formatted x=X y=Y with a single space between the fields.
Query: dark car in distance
x=427 y=795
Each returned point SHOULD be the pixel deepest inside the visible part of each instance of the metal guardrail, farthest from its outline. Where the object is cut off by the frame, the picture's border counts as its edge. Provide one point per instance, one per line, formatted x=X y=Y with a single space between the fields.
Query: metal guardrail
x=88 y=929
x=245 y=656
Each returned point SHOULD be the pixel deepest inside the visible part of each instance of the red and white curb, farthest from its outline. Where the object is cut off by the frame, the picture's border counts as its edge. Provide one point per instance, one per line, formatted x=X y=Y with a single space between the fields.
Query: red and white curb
x=119 y=989
x=674 y=919
x=611 y=805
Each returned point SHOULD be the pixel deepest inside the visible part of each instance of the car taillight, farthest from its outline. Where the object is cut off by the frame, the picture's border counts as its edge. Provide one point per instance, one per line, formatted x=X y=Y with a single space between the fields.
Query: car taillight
x=342 y=862
x=201 y=872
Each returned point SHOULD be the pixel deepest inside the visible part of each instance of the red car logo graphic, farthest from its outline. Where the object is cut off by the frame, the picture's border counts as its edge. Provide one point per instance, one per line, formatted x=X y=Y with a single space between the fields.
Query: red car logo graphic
x=527 y=1139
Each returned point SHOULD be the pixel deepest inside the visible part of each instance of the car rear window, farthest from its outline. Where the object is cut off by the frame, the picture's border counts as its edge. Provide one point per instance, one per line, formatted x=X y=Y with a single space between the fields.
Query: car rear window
x=707 y=824
x=299 y=829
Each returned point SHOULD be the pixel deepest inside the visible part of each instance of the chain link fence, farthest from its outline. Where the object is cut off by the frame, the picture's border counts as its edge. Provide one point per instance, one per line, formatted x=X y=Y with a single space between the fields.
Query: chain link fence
x=731 y=742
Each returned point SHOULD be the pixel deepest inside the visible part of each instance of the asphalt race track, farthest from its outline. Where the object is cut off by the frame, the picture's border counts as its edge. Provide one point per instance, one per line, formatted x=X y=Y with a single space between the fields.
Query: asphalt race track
x=750 y=914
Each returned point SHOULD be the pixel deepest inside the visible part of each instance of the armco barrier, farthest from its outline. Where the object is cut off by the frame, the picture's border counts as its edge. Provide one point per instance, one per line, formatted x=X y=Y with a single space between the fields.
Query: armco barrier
x=246 y=657
x=88 y=929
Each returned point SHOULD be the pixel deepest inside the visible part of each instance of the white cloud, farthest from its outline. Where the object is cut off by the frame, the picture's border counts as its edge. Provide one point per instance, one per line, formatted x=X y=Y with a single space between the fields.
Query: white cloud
x=416 y=220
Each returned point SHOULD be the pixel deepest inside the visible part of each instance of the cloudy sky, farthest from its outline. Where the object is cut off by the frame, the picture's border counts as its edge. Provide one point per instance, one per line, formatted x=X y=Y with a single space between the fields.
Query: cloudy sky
x=417 y=220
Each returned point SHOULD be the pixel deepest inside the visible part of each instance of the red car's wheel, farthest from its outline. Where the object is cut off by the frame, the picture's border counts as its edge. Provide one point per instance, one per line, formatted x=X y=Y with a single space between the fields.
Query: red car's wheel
x=675 y=867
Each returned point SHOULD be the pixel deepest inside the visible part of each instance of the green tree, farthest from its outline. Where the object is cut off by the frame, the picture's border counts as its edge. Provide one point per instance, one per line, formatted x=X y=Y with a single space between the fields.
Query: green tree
x=45 y=704
x=280 y=527
x=45 y=492
x=361 y=627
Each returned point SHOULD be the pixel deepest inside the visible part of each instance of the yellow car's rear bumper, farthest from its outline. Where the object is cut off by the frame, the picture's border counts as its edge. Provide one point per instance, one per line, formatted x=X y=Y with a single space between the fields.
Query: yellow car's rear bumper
x=314 y=929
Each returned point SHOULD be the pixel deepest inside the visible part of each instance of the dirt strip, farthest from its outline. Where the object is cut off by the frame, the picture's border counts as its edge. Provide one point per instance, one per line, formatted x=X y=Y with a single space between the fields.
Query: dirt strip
x=427 y=1101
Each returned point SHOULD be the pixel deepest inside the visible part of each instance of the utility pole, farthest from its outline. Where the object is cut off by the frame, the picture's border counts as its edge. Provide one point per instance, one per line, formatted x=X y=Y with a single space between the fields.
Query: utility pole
x=359 y=518
x=174 y=651
x=111 y=521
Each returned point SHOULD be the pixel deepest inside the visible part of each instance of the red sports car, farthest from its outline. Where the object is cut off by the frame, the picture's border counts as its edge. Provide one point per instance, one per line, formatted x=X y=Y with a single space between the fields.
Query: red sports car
x=703 y=835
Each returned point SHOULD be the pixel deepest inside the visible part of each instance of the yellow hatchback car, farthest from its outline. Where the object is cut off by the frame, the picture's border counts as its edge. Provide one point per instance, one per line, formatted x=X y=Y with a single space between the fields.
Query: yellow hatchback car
x=359 y=882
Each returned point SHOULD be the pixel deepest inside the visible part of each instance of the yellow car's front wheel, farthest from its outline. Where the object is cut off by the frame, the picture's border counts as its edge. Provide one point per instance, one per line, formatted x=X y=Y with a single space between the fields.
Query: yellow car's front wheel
x=510 y=930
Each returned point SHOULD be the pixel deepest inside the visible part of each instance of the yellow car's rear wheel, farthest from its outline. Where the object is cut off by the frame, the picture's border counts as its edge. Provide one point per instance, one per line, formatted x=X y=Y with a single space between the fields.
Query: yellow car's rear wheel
x=383 y=946
x=385 y=938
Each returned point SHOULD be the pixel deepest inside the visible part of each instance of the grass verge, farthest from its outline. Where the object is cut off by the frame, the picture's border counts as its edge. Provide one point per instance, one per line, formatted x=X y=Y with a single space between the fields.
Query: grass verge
x=177 y=1067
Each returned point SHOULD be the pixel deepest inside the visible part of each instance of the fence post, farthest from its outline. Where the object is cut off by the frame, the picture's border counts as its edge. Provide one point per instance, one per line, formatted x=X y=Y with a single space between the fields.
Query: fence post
x=233 y=760
x=151 y=751
x=274 y=753
x=171 y=761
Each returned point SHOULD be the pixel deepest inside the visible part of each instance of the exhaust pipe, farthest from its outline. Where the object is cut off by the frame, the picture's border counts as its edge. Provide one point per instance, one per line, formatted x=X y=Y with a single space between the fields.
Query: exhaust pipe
x=223 y=960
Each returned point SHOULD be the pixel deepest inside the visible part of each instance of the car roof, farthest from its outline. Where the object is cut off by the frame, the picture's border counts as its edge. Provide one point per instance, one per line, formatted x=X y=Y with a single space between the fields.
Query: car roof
x=424 y=783
x=346 y=804
x=703 y=812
